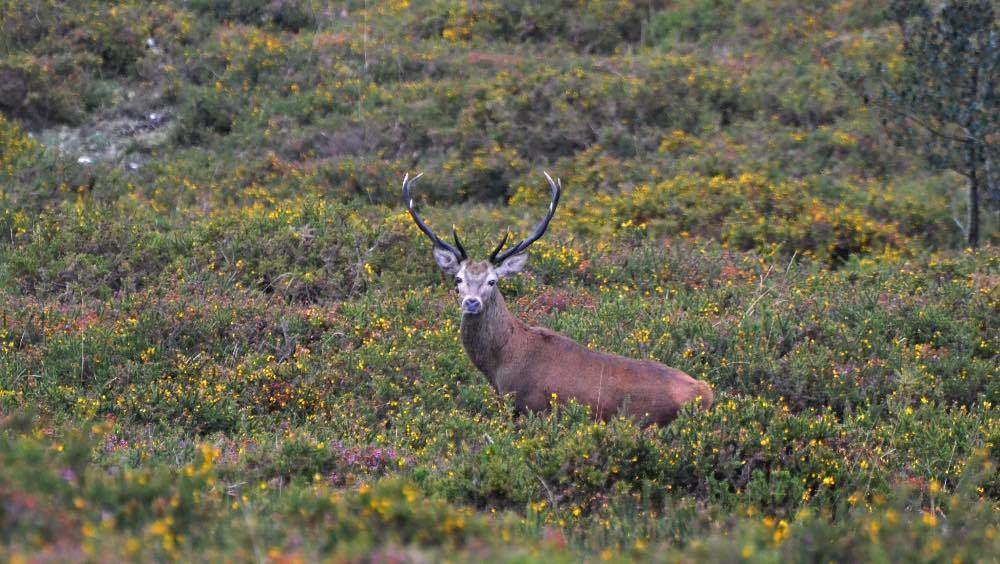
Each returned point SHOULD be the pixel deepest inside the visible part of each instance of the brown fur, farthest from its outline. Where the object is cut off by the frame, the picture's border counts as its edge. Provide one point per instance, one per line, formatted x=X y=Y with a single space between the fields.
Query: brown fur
x=533 y=363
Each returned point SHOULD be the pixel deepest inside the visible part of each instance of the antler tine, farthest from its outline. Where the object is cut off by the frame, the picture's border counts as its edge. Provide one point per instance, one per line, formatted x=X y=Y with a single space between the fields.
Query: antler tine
x=458 y=242
x=499 y=247
x=408 y=201
x=556 y=186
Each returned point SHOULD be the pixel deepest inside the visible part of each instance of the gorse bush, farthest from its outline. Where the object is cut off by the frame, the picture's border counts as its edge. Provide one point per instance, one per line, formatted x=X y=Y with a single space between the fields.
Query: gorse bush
x=600 y=27
x=223 y=338
x=290 y=15
x=31 y=93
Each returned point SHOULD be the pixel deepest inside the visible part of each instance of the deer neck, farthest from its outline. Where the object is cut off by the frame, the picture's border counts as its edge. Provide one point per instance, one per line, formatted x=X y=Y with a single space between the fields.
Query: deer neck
x=485 y=336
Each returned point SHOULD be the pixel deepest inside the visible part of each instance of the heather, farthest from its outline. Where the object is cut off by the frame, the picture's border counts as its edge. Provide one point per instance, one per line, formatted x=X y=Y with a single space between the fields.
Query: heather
x=223 y=338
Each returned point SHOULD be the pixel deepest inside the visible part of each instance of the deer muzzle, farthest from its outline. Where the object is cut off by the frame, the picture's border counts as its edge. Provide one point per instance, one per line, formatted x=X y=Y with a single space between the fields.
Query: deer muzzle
x=472 y=306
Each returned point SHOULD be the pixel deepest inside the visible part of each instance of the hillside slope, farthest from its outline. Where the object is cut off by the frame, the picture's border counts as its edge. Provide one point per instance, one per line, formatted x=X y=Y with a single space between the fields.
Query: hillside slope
x=221 y=336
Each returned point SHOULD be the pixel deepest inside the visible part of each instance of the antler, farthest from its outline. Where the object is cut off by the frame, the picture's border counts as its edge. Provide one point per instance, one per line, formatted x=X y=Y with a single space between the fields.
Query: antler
x=496 y=258
x=458 y=250
x=496 y=251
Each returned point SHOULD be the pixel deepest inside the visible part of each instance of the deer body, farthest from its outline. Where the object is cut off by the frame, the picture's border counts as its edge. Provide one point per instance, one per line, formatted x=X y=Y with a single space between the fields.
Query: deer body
x=537 y=366
x=533 y=363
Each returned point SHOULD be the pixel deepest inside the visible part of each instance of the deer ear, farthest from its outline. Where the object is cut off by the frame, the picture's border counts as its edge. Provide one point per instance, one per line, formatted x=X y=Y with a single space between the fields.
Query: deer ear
x=512 y=265
x=446 y=260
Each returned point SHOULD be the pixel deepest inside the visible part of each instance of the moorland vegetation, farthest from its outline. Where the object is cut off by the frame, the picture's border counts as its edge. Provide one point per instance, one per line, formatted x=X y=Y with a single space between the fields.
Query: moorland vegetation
x=221 y=336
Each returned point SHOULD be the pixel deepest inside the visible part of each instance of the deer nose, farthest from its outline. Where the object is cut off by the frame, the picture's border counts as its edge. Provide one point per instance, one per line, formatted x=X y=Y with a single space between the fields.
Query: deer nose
x=472 y=305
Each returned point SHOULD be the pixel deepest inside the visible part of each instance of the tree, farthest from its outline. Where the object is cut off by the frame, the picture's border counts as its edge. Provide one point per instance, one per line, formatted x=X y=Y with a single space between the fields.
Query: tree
x=941 y=94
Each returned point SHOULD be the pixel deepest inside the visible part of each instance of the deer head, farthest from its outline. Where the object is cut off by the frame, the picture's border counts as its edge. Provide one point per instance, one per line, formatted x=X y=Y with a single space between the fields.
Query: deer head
x=476 y=281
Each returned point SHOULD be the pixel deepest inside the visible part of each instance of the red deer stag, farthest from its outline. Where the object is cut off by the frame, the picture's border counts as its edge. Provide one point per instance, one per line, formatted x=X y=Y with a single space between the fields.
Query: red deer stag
x=533 y=363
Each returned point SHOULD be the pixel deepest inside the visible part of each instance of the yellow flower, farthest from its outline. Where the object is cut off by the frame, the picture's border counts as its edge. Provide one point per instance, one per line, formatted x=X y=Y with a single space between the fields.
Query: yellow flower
x=780 y=532
x=160 y=527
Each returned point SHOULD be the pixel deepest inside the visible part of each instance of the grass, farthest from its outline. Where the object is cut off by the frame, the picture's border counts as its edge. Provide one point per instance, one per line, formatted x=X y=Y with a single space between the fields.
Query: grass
x=223 y=338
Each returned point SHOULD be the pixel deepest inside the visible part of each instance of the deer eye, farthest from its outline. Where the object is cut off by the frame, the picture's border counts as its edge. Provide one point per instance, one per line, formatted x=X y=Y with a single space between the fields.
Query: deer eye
x=458 y=281
x=491 y=282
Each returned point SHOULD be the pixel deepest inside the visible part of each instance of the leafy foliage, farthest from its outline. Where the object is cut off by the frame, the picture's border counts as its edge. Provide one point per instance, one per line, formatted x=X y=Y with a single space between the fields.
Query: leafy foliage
x=222 y=338
x=942 y=94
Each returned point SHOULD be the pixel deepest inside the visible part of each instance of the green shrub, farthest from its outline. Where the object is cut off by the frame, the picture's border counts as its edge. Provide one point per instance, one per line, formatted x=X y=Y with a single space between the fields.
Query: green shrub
x=44 y=89
x=291 y=15
x=205 y=112
x=692 y=20
x=239 y=346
